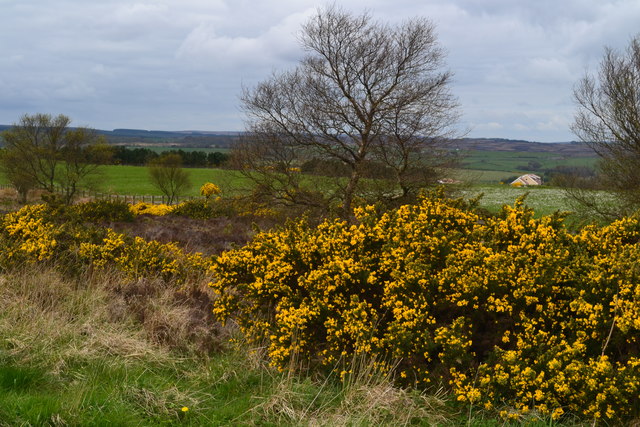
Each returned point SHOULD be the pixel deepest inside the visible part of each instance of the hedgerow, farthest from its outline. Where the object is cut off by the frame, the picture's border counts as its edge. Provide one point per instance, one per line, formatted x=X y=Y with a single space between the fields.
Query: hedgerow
x=514 y=314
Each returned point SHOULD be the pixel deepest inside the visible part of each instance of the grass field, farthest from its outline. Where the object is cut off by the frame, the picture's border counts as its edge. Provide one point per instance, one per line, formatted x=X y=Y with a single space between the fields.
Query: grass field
x=544 y=200
x=519 y=162
x=134 y=180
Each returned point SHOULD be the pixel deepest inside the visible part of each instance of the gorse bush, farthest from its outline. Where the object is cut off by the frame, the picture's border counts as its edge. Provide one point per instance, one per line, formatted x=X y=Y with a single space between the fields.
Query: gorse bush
x=34 y=234
x=515 y=314
x=209 y=189
x=143 y=208
x=28 y=235
x=103 y=210
x=140 y=258
x=196 y=209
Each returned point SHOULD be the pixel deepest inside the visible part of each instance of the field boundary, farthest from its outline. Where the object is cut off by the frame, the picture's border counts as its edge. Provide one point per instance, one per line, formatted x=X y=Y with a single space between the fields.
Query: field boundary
x=127 y=198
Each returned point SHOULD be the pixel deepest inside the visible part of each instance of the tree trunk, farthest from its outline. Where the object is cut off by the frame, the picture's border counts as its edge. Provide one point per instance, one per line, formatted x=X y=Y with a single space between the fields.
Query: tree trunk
x=349 y=192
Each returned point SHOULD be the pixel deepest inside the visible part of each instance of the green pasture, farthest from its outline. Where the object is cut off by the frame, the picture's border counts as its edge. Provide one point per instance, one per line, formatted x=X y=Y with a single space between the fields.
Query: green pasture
x=544 y=200
x=519 y=161
x=134 y=180
x=483 y=177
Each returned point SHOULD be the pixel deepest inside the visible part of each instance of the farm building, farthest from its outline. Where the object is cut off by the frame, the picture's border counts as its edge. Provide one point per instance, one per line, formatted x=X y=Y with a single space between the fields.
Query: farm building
x=526 y=180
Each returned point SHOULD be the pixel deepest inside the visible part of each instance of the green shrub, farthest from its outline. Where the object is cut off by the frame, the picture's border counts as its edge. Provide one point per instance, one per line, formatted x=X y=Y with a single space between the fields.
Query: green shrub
x=103 y=211
x=196 y=209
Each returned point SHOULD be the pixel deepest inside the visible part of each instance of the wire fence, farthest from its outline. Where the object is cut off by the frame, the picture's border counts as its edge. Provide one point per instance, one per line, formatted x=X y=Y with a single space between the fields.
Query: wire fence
x=127 y=198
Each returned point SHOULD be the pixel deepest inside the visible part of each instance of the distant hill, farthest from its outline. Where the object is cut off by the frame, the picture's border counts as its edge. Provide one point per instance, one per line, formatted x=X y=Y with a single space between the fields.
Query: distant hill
x=225 y=139
x=193 y=139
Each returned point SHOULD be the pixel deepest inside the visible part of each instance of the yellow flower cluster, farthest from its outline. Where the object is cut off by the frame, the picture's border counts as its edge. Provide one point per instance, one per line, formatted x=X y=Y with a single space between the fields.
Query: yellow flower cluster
x=141 y=258
x=30 y=237
x=209 y=189
x=508 y=309
x=143 y=208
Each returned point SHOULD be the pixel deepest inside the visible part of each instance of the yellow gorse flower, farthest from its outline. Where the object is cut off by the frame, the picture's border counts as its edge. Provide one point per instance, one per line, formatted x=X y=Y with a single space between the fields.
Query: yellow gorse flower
x=34 y=238
x=143 y=208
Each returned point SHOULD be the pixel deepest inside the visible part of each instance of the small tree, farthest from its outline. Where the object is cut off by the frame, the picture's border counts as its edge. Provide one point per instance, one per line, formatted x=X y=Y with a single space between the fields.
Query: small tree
x=35 y=143
x=41 y=151
x=366 y=92
x=168 y=176
x=608 y=119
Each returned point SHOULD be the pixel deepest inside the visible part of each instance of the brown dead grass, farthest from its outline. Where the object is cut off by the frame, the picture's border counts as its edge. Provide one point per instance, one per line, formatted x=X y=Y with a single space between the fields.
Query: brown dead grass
x=210 y=237
x=103 y=312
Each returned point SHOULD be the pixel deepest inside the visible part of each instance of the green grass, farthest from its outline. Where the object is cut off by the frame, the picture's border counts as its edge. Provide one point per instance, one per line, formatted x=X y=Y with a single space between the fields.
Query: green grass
x=134 y=180
x=544 y=200
x=482 y=176
x=518 y=162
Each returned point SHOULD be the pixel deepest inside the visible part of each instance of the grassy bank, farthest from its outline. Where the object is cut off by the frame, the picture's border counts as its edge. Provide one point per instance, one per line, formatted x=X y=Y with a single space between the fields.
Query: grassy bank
x=98 y=349
x=135 y=180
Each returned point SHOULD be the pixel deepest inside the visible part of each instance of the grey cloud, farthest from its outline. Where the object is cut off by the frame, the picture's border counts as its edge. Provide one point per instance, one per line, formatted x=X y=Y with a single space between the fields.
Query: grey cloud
x=169 y=64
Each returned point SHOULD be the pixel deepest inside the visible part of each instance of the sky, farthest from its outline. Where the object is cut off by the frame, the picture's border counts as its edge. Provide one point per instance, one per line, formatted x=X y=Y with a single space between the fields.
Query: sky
x=182 y=64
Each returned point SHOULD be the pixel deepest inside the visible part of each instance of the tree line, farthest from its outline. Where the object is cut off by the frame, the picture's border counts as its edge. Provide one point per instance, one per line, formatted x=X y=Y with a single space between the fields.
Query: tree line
x=142 y=156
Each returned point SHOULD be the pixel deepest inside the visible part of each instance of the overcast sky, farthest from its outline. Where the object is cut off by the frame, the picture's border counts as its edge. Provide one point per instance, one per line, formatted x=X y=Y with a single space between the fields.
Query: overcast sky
x=181 y=64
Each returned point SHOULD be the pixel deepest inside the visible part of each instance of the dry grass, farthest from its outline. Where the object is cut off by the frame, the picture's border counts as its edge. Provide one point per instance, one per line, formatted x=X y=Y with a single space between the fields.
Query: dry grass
x=364 y=398
x=102 y=312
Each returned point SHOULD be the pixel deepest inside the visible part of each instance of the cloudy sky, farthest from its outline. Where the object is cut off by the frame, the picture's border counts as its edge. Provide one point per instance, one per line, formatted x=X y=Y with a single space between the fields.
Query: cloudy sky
x=181 y=64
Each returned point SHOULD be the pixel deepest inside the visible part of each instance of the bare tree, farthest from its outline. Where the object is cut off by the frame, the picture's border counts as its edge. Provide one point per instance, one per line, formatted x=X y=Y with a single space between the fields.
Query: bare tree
x=365 y=91
x=608 y=119
x=41 y=151
x=83 y=153
x=168 y=176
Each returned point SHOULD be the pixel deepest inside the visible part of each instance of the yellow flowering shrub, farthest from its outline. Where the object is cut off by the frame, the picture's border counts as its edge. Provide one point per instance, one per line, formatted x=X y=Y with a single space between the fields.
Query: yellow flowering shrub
x=209 y=190
x=28 y=236
x=38 y=233
x=511 y=311
x=143 y=208
x=140 y=258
